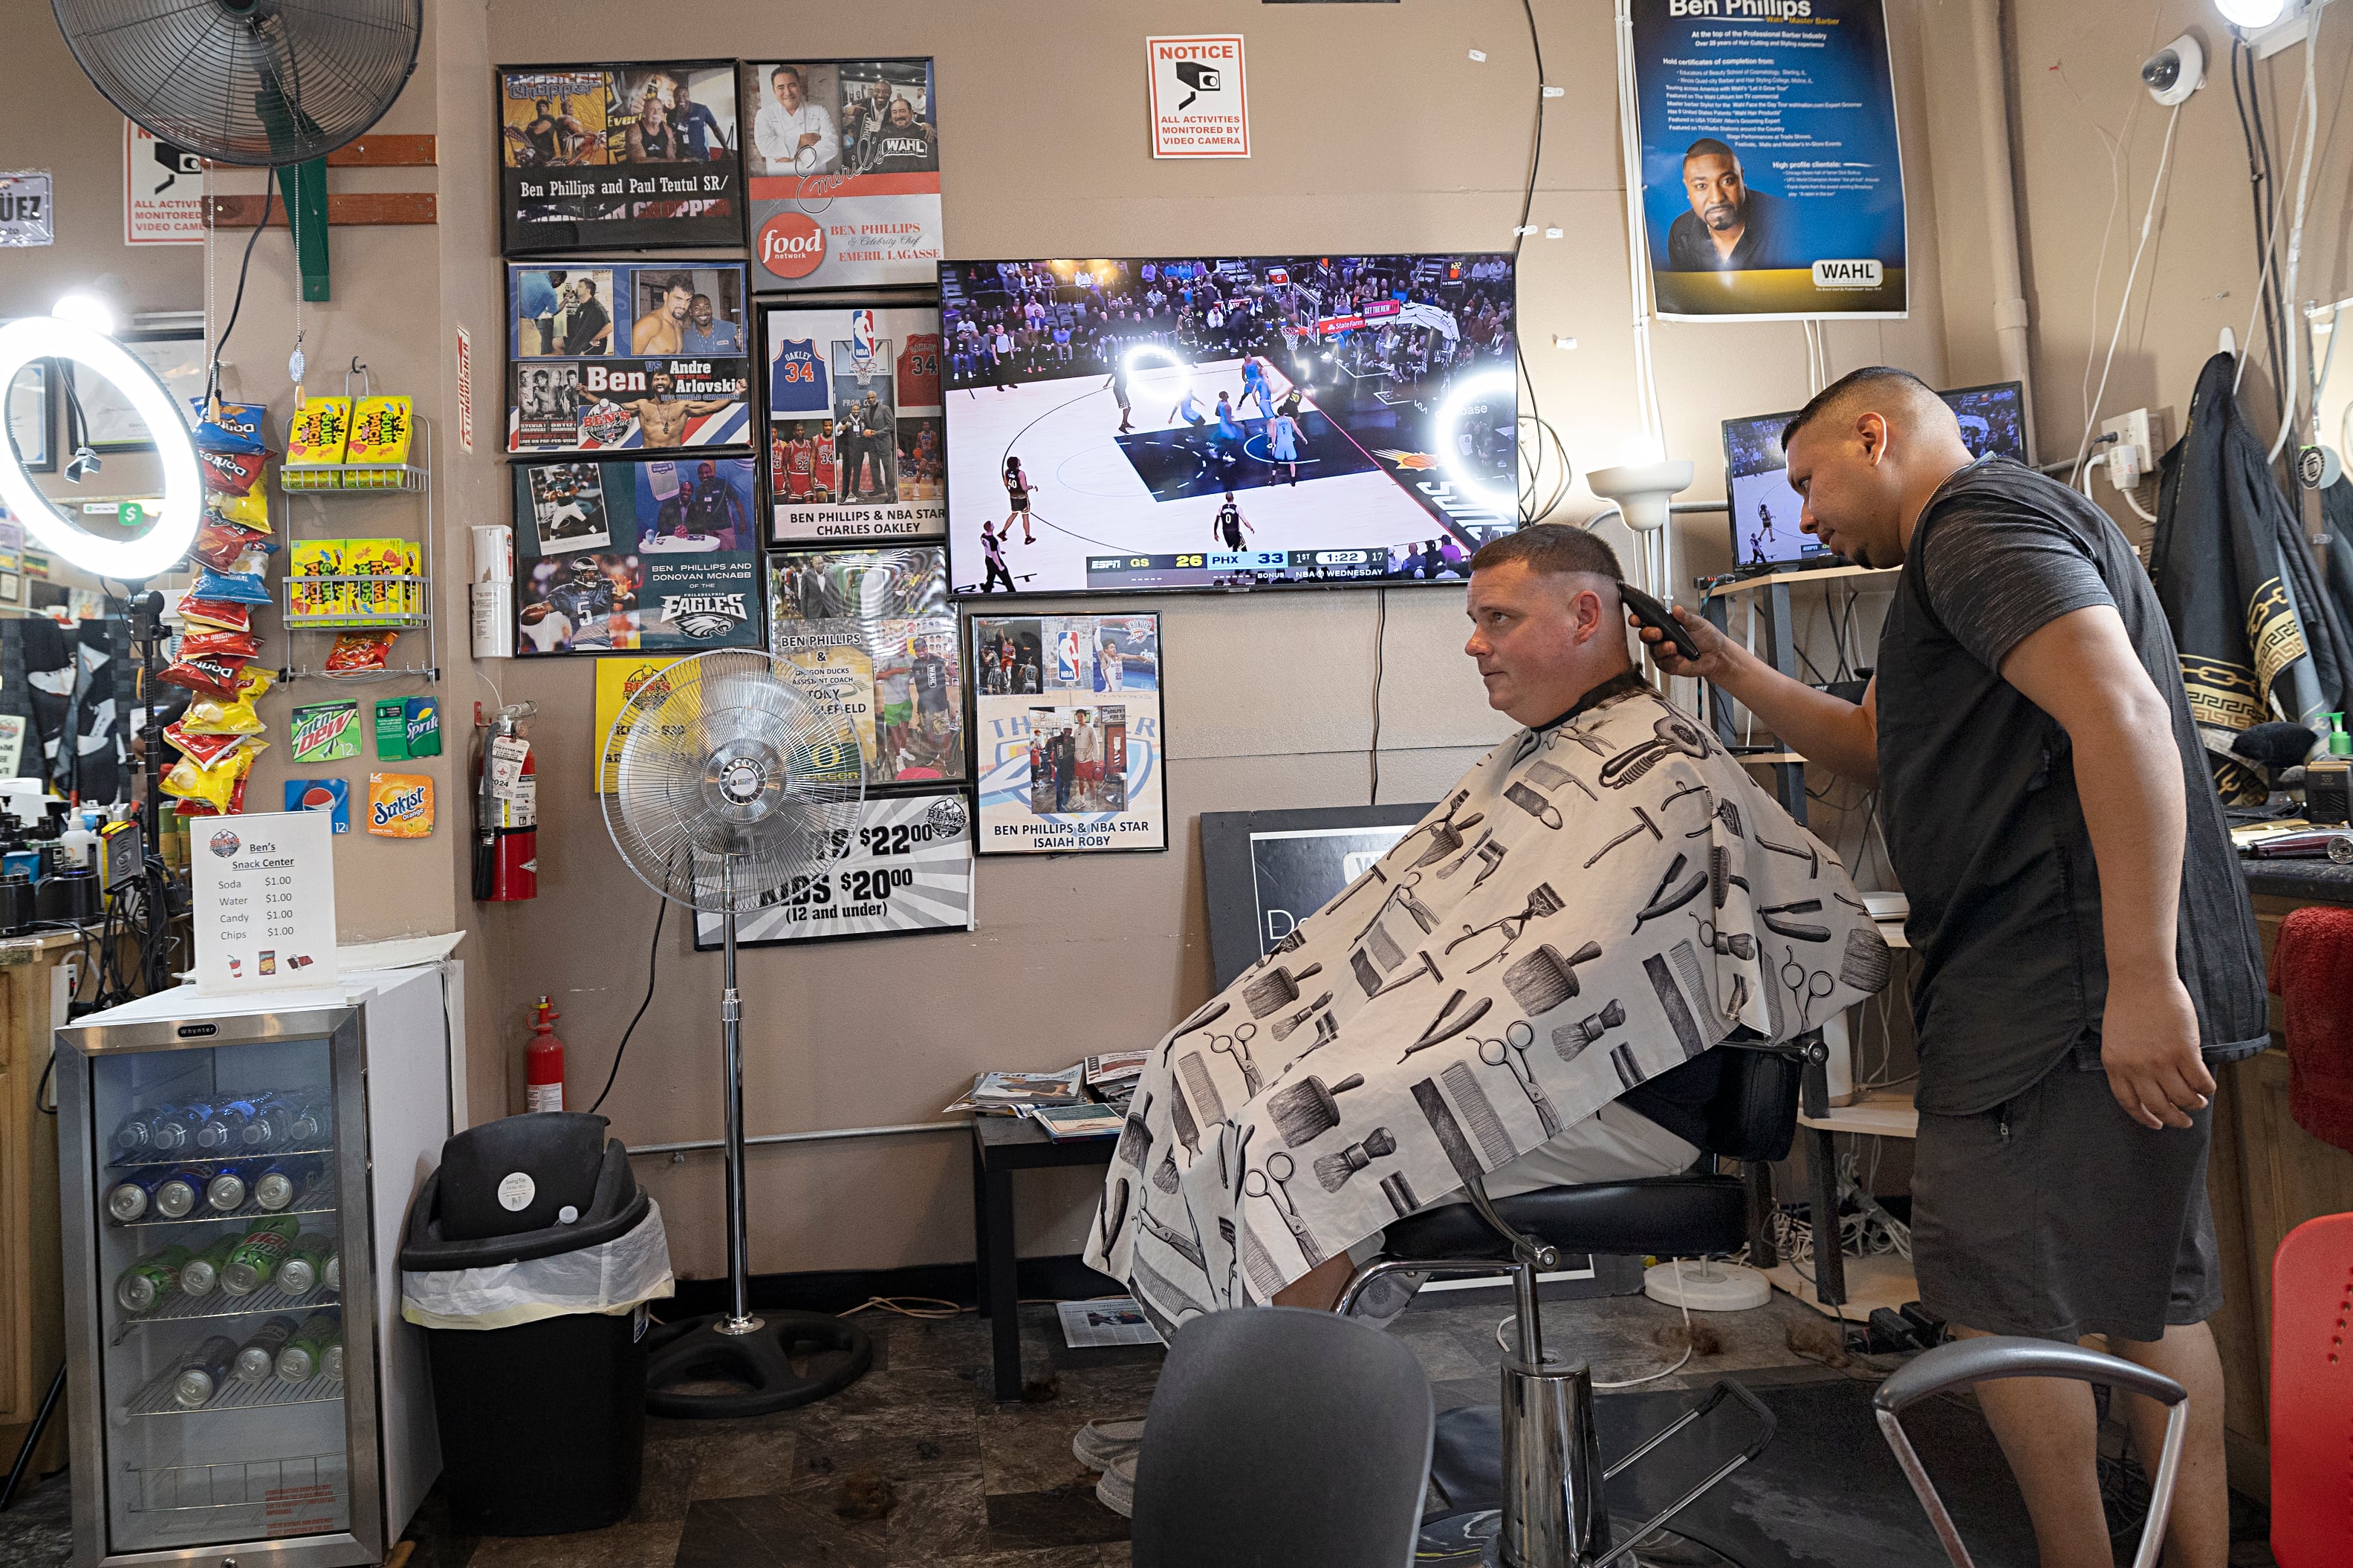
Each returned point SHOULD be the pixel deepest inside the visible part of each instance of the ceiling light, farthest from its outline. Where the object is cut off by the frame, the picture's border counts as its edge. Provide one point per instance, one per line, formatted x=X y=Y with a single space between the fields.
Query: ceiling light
x=2252 y=12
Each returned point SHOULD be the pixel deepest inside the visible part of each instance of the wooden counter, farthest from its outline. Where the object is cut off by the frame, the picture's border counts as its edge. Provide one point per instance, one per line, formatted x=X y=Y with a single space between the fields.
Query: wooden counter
x=32 y=1299
x=2266 y=1176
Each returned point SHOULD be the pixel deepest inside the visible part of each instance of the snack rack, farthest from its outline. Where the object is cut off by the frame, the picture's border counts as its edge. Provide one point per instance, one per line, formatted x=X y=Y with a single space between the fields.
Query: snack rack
x=343 y=481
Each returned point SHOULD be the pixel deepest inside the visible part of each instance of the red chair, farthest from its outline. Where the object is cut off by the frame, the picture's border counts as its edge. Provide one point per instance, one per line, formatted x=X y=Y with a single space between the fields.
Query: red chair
x=2312 y=1395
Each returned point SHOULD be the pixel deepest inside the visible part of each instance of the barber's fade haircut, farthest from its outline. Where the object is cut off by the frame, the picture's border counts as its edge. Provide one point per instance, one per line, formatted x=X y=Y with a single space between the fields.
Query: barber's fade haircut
x=1891 y=390
x=1552 y=548
x=1709 y=147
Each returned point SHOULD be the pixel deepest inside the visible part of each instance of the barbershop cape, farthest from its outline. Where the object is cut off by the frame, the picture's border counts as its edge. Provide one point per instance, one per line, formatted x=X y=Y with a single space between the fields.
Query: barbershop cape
x=1591 y=906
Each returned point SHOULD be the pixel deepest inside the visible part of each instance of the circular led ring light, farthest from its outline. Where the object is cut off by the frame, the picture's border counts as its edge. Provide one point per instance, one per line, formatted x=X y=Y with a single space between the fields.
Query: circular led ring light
x=161 y=547
x=1450 y=450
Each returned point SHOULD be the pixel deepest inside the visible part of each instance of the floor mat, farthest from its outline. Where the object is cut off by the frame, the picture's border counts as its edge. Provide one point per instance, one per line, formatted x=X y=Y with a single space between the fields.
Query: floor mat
x=1825 y=1493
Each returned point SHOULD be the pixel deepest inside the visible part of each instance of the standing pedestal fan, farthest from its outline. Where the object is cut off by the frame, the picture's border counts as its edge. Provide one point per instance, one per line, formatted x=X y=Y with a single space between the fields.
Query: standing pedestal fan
x=731 y=788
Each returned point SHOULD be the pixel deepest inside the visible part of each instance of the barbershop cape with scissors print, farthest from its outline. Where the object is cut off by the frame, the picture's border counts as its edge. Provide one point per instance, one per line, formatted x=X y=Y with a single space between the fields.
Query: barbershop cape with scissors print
x=1592 y=905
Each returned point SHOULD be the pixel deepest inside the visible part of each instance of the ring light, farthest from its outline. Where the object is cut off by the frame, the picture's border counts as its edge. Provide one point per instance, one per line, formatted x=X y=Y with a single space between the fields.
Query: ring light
x=161 y=547
x=1450 y=450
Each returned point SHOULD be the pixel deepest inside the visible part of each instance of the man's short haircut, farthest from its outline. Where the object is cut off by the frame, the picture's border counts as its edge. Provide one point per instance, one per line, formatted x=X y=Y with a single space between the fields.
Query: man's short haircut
x=1552 y=548
x=587 y=283
x=1891 y=388
x=792 y=71
x=1709 y=147
x=673 y=283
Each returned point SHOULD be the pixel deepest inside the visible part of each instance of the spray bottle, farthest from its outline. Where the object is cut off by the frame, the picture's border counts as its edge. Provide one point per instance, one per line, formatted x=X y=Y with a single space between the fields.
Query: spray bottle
x=542 y=1061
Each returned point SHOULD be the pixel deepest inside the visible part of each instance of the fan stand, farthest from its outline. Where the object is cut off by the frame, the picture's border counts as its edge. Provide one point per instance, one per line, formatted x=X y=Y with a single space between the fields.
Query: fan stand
x=734 y=1347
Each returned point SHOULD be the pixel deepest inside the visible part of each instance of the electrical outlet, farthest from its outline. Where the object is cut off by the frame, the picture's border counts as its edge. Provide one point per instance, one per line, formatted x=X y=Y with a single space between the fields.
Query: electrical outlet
x=2136 y=433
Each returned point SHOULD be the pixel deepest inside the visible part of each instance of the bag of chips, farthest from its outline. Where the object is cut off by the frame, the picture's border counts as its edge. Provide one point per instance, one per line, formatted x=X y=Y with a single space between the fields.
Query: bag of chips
x=244 y=587
x=360 y=653
x=203 y=750
x=215 y=677
x=217 y=615
x=215 y=783
x=233 y=716
x=231 y=473
x=251 y=509
x=231 y=427
x=238 y=647
x=229 y=547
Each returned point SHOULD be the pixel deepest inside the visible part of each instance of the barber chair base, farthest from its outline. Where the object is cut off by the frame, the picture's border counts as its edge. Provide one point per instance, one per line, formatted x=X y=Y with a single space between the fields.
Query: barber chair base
x=1462 y=1539
x=1709 y=1286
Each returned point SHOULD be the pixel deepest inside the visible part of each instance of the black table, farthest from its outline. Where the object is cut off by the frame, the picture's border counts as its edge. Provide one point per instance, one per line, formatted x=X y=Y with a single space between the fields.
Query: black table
x=1000 y=1146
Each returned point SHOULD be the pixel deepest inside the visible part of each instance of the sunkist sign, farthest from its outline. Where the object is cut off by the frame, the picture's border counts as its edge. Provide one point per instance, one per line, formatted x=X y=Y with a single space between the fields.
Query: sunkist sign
x=1200 y=108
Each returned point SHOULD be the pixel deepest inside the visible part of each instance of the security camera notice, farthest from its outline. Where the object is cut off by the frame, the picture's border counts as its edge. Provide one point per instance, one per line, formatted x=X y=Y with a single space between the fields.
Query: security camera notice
x=1199 y=109
x=906 y=866
x=264 y=900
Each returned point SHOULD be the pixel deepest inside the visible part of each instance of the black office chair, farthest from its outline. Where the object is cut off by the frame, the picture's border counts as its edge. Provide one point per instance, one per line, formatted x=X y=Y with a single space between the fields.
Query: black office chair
x=1553 y=1514
x=1284 y=1439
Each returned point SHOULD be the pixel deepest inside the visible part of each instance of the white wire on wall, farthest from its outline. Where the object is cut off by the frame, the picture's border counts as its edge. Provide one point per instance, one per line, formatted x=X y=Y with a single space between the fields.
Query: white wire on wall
x=2297 y=323
x=2132 y=275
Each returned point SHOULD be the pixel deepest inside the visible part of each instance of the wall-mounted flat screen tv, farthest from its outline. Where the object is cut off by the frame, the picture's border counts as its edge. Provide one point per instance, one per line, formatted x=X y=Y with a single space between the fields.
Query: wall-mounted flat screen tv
x=1174 y=423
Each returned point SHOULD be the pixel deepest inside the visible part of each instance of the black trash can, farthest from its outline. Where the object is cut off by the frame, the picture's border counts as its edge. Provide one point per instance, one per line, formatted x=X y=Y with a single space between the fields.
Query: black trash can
x=543 y=1421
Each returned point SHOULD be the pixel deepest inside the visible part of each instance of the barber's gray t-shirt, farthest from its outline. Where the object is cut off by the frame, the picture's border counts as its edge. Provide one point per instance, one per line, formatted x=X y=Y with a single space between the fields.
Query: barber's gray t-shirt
x=1984 y=825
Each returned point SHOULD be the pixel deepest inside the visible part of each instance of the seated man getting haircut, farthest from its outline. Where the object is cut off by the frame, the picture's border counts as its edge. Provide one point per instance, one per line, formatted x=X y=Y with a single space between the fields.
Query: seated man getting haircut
x=1528 y=988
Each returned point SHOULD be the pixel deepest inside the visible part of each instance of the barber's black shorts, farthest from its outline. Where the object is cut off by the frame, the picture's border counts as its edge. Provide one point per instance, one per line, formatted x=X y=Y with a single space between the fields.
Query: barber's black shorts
x=2054 y=1214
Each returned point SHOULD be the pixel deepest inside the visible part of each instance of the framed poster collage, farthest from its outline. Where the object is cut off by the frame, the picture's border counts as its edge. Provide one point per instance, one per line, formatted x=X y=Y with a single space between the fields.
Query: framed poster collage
x=696 y=467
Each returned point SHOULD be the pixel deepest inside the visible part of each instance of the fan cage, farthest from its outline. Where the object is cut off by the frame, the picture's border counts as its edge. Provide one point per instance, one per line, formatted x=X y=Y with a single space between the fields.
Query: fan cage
x=665 y=813
x=248 y=83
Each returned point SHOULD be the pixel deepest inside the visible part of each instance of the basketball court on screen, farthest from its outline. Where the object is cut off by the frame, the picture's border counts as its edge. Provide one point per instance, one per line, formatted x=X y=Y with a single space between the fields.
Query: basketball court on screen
x=1157 y=489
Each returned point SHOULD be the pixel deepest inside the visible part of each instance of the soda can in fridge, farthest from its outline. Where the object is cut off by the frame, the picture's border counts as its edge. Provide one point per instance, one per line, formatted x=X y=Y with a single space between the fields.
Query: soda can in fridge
x=131 y=1199
x=154 y=1278
x=177 y=1194
x=227 y=1191
x=257 y=1257
x=257 y=1357
x=303 y=1358
x=204 y=1371
x=300 y=1274
x=277 y=1184
x=200 y=1274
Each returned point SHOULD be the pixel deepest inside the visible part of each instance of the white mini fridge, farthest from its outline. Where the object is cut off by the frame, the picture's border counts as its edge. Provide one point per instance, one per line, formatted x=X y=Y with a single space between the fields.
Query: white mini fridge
x=235 y=1173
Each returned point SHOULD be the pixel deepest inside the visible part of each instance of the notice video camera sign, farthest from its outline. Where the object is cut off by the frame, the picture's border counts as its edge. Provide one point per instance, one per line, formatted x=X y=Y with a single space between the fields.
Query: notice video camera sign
x=1200 y=106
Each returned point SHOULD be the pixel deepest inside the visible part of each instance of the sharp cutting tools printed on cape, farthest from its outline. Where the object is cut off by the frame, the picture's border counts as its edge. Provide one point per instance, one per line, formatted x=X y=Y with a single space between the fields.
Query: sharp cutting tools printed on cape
x=1616 y=888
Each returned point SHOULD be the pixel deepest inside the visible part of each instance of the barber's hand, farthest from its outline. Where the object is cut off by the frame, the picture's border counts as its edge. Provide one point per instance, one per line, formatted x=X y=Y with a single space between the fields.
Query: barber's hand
x=2148 y=1044
x=1715 y=650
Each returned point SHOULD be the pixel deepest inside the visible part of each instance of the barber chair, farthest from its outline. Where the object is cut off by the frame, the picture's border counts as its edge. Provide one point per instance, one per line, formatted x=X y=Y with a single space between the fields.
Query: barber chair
x=1554 y=1515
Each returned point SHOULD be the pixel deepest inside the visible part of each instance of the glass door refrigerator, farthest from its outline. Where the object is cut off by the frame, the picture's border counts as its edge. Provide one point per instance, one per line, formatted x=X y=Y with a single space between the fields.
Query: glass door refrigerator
x=235 y=1173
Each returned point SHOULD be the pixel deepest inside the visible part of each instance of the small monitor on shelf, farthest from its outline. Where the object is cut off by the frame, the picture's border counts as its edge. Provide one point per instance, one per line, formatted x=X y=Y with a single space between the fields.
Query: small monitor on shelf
x=1765 y=510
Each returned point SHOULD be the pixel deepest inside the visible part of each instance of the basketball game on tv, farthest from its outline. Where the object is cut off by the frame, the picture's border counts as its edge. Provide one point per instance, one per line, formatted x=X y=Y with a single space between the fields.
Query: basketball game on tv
x=1186 y=423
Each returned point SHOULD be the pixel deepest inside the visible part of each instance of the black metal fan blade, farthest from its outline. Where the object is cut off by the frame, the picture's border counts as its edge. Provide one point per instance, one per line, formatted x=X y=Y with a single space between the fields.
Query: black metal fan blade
x=268 y=82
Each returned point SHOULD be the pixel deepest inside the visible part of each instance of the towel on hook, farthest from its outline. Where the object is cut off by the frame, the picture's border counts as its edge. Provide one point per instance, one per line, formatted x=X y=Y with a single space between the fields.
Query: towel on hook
x=2312 y=975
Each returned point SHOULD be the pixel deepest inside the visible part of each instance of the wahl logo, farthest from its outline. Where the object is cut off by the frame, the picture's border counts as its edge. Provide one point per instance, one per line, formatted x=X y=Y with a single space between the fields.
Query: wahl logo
x=903 y=147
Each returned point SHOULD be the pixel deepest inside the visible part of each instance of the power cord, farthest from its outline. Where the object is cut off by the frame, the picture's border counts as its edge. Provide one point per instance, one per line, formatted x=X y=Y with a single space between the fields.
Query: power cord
x=653 y=963
x=1380 y=650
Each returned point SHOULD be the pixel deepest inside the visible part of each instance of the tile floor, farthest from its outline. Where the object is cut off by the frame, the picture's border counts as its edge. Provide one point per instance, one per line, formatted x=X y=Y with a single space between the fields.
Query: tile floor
x=972 y=1483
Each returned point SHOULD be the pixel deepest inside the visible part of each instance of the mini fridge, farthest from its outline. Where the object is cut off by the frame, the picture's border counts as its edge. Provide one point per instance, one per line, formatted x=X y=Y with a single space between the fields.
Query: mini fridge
x=234 y=1174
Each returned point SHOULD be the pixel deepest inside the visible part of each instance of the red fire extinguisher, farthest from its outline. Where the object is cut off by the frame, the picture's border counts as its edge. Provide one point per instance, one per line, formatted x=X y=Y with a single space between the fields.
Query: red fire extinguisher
x=506 y=812
x=542 y=1061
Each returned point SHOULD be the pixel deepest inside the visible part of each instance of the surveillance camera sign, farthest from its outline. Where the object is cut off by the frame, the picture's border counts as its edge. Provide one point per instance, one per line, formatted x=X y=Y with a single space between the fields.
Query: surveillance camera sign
x=1199 y=108
x=163 y=190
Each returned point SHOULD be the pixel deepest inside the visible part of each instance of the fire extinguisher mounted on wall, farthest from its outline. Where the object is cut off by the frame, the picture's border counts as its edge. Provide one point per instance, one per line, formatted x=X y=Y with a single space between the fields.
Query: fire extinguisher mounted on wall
x=506 y=810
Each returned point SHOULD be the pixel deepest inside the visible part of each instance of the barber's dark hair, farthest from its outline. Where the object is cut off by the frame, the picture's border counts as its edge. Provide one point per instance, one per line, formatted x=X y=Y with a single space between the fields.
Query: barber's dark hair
x=1709 y=147
x=1551 y=548
x=1853 y=380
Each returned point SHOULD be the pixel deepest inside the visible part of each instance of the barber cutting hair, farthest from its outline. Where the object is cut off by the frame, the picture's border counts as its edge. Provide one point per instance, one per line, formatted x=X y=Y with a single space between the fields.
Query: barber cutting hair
x=2085 y=950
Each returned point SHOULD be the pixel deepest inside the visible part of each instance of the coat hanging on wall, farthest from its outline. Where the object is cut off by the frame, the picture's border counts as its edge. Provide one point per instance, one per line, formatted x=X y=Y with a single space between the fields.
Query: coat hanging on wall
x=2254 y=630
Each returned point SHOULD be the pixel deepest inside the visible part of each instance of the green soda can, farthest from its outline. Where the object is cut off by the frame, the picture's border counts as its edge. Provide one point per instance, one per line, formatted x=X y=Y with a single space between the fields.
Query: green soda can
x=303 y=1356
x=332 y=1276
x=151 y=1280
x=259 y=1355
x=300 y=1274
x=200 y=1274
x=257 y=1257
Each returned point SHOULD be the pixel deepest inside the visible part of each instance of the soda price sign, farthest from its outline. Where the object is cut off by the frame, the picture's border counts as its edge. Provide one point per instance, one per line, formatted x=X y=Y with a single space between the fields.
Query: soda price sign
x=265 y=901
